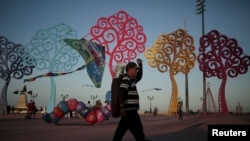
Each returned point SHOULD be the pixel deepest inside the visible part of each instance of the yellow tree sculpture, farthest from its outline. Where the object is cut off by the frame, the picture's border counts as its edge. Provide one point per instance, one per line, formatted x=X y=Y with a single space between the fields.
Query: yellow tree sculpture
x=174 y=52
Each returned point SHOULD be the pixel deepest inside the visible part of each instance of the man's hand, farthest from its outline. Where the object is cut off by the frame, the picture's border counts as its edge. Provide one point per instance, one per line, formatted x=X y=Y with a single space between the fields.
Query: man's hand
x=139 y=61
x=122 y=112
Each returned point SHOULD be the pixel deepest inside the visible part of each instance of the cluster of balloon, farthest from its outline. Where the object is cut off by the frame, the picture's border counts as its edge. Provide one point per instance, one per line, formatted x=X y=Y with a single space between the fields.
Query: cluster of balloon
x=91 y=116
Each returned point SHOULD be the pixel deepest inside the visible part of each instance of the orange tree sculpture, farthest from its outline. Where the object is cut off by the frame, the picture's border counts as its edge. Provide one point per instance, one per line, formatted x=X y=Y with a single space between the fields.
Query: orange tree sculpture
x=174 y=52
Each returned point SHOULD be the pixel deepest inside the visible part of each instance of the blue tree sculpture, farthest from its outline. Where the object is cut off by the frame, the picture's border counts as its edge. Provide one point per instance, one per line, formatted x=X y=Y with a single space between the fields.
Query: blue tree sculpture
x=53 y=54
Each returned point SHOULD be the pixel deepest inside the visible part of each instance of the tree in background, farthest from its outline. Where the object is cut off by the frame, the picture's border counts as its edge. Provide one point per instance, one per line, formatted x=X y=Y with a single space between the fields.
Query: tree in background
x=124 y=33
x=221 y=56
x=15 y=62
x=173 y=52
x=53 y=54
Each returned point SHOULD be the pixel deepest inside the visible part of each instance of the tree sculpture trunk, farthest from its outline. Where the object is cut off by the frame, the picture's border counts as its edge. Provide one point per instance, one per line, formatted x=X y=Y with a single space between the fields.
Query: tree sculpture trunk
x=222 y=98
x=4 y=96
x=172 y=109
x=52 y=99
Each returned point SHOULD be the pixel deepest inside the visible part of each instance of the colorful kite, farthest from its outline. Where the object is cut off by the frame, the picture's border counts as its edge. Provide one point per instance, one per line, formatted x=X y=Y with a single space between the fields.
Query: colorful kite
x=94 y=57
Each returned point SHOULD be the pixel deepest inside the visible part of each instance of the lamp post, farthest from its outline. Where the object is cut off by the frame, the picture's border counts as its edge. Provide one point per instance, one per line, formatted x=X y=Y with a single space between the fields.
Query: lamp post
x=157 y=89
x=200 y=10
x=34 y=97
x=64 y=97
x=150 y=99
x=87 y=85
x=93 y=97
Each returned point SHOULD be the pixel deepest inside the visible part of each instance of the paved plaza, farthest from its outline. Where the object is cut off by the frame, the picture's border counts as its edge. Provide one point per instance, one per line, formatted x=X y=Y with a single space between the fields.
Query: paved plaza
x=14 y=127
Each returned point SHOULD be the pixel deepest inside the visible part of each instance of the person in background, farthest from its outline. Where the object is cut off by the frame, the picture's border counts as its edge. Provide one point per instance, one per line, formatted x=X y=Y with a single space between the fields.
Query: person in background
x=180 y=114
x=31 y=109
x=98 y=105
x=13 y=109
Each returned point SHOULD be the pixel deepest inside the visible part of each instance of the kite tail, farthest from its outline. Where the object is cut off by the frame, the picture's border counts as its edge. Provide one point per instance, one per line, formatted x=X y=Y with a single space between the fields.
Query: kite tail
x=50 y=74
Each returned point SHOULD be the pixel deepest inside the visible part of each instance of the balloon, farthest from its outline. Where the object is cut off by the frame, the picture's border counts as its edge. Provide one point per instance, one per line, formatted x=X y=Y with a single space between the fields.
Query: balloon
x=46 y=117
x=84 y=112
x=105 y=111
x=54 y=118
x=100 y=116
x=108 y=107
x=91 y=117
x=72 y=103
x=58 y=112
x=80 y=106
x=63 y=105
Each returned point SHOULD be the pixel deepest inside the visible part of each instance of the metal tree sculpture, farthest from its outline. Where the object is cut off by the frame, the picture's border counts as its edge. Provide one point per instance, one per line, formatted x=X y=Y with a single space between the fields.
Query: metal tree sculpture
x=174 y=52
x=15 y=62
x=53 y=54
x=122 y=31
x=221 y=56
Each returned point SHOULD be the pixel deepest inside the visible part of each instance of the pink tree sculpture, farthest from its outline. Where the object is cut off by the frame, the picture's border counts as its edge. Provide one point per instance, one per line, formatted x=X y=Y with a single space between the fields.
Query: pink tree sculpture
x=221 y=56
x=124 y=33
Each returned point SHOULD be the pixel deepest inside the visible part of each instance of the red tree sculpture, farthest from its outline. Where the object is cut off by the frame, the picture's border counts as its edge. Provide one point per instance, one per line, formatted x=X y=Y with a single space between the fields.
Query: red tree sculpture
x=221 y=56
x=121 y=31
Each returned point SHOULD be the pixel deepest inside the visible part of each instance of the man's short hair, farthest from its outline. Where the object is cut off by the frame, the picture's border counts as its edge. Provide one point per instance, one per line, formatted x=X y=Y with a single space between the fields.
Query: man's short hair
x=130 y=65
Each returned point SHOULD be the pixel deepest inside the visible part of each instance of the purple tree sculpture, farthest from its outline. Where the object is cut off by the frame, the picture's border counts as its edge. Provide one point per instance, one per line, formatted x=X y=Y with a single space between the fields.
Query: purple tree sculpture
x=15 y=62
x=222 y=57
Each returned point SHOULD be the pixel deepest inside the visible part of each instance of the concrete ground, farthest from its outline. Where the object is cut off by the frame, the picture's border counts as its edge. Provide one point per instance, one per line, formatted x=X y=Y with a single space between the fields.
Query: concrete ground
x=14 y=127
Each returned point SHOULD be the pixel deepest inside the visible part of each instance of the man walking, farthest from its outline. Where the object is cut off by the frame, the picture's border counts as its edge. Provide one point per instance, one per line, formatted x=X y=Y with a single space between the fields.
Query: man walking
x=129 y=99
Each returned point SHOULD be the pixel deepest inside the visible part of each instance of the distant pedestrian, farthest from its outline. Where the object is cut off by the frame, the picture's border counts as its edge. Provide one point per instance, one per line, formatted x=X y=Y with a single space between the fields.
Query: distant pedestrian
x=12 y=109
x=155 y=112
x=8 y=109
x=70 y=114
x=32 y=109
x=180 y=114
x=98 y=105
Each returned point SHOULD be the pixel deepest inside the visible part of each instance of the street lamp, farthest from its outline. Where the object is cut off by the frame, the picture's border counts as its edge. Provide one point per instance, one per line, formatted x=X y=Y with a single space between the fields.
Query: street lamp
x=87 y=85
x=64 y=97
x=157 y=89
x=150 y=98
x=200 y=10
x=34 y=97
x=93 y=97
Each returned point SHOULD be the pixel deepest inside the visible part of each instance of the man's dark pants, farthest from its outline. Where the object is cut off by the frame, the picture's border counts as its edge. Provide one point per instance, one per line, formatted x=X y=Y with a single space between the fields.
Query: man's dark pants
x=131 y=122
